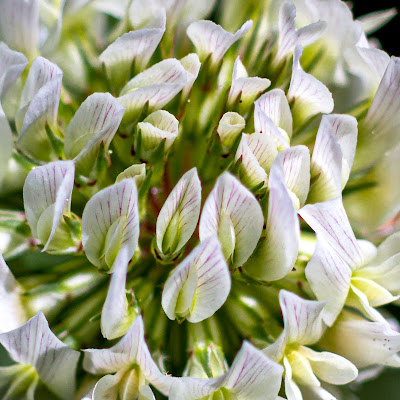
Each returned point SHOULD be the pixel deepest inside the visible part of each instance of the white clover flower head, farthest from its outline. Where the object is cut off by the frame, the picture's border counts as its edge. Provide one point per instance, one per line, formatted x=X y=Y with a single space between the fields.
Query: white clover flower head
x=201 y=196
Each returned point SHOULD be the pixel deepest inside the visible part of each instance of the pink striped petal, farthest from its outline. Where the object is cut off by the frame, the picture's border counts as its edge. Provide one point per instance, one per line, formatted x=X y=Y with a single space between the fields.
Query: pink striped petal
x=302 y=318
x=244 y=88
x=157 y=86
x=110 y=222
x=330 y=223
x=132 y=47
x=12 y=63
x=199 y=286
x=94 y=124
x=233 y=213
x=310 y=96
x=276 y=254
x=296 y=170
x=275 y=105
x=329 y=277
x=19 y=25
x=48 y=189
x=179 y=215
x=211 y=39
x=35 y=344
x=12 y=313
x=39 y=105
x=289 y=36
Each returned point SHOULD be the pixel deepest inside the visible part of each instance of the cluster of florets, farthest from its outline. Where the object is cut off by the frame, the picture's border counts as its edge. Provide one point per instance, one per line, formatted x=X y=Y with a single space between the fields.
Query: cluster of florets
x=164 y=201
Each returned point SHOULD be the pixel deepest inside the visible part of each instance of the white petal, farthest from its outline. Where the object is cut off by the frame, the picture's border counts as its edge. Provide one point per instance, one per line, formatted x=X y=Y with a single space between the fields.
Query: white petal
x=193 y=388
x=48 y=186
x=333 y=155
x=289 y=37
x=107 y=388
x=158 y=126
x=136 y=171
x=157 y=86
x=292 y=391
x=210 y=38
x=256 y=153
x=385 y=267
x=330 y=367
x=35 y=344
x=375 y=20
x=275 y=105
x=383 y=119
x=376 y=294
x=310 y=96
x=276 y=254
x=253 y=375
x=116 y=318
x=110 y=222
x=12 y=63
x=131 y=350
x=362 y=342
x=302 y=318
x=192 y=64
x=229 y=128
x=232 y=212
x=149 y=13
x=180 y=213
x=330 y=223
x=329 y=277
x=12 y=313
x=199 y=286
x=244 y=88
x=94 y=124
x=39 y=105
x=132 y=47
x=265 y=125
x=19 y=25
x=296 y=169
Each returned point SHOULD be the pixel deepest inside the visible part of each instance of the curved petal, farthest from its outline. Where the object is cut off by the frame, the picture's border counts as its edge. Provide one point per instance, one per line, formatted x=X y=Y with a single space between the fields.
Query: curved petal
x=94 y=124
x=253 y=375
x=116 y=318
x=192 y=64
x=156 y=86
x=330 y=367
x=333 y=155
x=19 y=25
x=302 y=318
x=48 y=186
x=39 y=105
x=110 y=222
x=199 y=286
x=229 y=128
x=362 y=342
x=329 y=277
x=292 y=391
x=180 y=213
x=373 y=21
x=107 y=387
x=35 y=344
x=12 y=63
x=136 y=171
x=295 y=163
x=330 y=223
x=12 y=313
x=210 y=38
x=233 y=213
x=276 y=254
x=310 y=96
x=275 y=105
x=244 y=88
x=132 y=47
x=158 y=126
x=256 y=153
x=289 y=36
